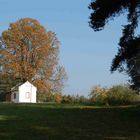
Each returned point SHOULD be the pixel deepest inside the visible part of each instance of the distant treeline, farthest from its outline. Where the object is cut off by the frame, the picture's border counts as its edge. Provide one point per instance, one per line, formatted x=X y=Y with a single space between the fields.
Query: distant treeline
x=116 y=95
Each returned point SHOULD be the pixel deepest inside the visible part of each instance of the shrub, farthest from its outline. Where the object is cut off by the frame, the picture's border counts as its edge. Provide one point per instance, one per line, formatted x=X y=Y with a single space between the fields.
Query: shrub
x=74 y=99
x=98 y=95
x=116 y=95
x=67 y=99
x=121 y=95
x=51 y=97
x=58 y=98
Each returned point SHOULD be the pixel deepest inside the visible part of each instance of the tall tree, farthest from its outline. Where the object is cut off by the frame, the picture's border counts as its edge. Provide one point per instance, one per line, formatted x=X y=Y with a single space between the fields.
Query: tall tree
x=29 y=52
x=128 y=56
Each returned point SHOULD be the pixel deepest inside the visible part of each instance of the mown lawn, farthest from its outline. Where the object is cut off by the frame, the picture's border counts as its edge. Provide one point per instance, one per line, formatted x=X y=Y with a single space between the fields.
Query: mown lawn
x=66 y=122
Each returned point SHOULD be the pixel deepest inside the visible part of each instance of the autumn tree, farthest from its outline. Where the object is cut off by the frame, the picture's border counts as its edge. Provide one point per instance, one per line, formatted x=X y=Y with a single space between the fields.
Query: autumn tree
x=128 y=56
x=29 y=52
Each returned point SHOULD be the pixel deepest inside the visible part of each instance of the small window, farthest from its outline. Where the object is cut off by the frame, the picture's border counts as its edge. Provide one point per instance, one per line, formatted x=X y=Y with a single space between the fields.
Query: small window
x=14 y=95
x=27 y=95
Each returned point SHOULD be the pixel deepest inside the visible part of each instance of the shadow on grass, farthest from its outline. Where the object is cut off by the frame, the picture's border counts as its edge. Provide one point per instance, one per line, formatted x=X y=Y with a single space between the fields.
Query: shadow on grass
x=66 y=122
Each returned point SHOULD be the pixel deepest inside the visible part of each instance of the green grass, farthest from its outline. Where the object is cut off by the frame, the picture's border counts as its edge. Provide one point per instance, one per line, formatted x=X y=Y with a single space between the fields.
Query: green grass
x=68 y=122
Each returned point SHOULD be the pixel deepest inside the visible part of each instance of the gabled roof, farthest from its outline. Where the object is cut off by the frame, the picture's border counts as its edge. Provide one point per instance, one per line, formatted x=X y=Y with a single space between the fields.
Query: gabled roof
x=15 y=88
x=27 y=83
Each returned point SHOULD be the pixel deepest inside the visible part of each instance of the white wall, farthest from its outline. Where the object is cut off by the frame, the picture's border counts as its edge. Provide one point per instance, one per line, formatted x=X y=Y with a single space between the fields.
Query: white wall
x=26 y=94
x=27 y=88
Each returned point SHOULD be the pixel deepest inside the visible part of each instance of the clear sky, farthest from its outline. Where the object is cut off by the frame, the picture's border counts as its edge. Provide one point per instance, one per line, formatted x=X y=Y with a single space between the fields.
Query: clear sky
x=85 y=54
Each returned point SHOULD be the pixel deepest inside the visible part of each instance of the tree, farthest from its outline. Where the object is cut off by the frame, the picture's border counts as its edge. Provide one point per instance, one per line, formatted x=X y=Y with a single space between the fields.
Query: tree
x=127 y=59
x=29 y=52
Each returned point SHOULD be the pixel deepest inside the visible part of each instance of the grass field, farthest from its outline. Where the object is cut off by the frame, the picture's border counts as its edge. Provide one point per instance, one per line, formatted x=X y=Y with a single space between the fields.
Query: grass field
x=66 y=122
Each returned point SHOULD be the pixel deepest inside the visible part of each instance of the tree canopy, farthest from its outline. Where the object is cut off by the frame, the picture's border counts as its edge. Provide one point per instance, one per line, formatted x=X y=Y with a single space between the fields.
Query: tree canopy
x=29 y=52
x=128 y=56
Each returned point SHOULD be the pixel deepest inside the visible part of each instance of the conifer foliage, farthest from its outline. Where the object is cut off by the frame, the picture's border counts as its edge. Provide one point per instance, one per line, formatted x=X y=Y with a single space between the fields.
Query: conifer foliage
x=128 y=56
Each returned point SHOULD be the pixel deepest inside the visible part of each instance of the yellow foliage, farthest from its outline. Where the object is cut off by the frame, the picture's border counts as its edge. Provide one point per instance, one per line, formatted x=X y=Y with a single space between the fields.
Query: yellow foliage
x=30 y=53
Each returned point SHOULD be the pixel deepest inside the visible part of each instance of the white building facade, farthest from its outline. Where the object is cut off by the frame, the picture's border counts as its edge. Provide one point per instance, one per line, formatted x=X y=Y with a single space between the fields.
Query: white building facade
x=25 y=93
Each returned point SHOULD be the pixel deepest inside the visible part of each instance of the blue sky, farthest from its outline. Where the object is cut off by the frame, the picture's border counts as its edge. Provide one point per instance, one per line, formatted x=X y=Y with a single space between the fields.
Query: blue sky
x=85 y=54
